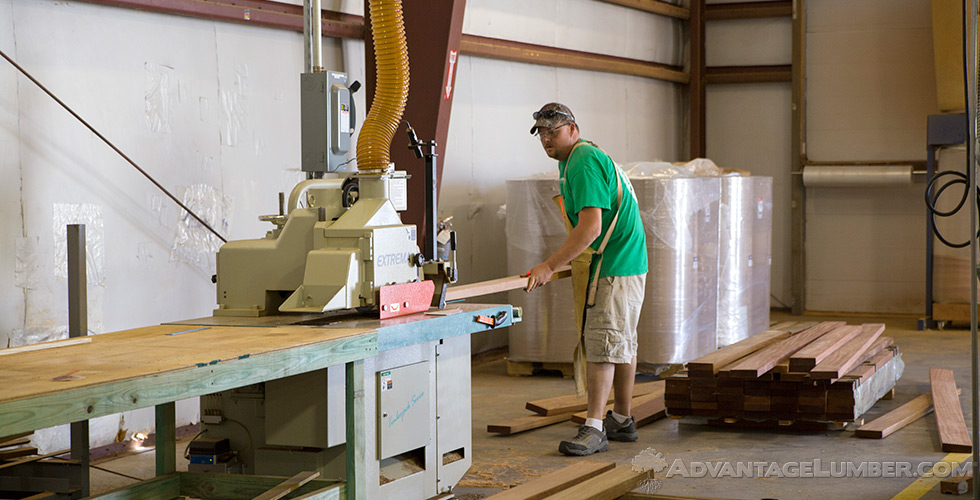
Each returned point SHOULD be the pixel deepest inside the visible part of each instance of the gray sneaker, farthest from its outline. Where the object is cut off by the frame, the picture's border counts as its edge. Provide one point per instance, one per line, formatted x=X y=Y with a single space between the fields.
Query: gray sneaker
x=616 y=431
x=586 y=442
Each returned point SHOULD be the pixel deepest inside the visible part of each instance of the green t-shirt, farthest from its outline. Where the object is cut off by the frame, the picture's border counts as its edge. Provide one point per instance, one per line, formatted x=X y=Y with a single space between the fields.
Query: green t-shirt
x=588 y=180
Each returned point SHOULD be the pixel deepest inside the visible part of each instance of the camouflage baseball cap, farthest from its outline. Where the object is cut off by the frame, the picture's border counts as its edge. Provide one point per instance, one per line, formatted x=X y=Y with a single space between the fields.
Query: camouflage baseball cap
x=551 y=115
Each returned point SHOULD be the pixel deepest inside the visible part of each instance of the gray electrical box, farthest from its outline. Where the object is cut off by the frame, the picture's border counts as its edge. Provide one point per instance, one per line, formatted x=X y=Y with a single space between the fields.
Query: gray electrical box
x=403 y=409
x=327 y=120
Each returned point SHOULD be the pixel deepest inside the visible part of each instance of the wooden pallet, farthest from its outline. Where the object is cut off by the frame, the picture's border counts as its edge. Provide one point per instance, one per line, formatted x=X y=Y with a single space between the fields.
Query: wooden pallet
x=529 y=368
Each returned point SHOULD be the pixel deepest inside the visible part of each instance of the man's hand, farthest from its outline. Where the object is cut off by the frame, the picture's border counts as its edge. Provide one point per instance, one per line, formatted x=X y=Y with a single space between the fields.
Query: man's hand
x=538 y=276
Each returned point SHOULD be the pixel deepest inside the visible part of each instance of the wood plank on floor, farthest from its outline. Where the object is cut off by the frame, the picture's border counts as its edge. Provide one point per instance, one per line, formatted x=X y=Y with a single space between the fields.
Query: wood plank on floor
x=949 y=414
x=571 y=403
x=894 y=420
x=765 y=359
x=847 y=357
x=526 y=423
x=556 y=481
x=606 y=486
x=643 y=407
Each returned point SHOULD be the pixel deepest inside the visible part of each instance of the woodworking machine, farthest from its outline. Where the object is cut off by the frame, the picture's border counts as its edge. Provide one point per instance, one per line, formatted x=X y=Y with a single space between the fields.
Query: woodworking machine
x=338 y=243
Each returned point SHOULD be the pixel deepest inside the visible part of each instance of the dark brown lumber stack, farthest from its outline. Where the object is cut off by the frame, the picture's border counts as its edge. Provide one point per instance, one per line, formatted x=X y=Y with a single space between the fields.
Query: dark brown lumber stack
x=793 y=372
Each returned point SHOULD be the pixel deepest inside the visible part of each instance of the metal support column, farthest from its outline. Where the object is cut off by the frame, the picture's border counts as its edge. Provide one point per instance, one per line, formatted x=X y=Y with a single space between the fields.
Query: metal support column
x=697 y=115
x=798 y=192
x=78 y=327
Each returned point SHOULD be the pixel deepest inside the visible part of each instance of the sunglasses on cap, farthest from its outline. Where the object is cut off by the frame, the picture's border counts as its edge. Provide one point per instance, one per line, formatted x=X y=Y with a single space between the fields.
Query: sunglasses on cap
x=551 y=113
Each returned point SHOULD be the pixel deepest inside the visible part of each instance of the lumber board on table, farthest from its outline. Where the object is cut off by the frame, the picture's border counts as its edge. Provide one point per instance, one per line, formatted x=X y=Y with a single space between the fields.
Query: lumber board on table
x=894 y=420
x=768 y=357
x=709 y=364
x=571 y=403
x=949 y=414
x=526 y=423
x=654 y=496
x=185 y=365
x=498 y=285
x=606 y=486
x=847 y=357
x=809 y=356
x=45 y=345
x=643 y=407
x=556 y=481
x=957 y=485
x=286 y=487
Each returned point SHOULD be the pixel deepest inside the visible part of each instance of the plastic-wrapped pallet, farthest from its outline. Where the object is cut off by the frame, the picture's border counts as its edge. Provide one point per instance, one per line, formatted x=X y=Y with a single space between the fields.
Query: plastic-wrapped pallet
x=744 y=256
x=534 y=231
x=680 y=216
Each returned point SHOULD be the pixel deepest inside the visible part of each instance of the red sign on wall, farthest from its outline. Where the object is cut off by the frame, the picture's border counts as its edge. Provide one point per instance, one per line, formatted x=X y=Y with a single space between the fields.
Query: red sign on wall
x=450 y=74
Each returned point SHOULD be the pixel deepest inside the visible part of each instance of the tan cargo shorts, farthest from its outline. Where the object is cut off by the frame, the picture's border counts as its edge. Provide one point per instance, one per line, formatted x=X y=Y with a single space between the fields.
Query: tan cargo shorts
x=610 y=325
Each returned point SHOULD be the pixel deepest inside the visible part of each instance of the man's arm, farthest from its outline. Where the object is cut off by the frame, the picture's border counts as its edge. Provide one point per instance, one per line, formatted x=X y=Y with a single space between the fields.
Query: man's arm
x=588 y=229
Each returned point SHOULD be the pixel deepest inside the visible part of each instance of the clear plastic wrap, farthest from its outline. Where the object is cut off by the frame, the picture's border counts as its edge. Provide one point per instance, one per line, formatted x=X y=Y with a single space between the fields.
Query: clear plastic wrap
x=535 y=230
x=90 y=215
x=680 y=216
x=879 y=383
x=744 y=253
x=193 y=243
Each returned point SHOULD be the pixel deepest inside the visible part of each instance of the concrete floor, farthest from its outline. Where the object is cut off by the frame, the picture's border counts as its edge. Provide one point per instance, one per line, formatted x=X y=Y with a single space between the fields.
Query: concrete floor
x=504 y=461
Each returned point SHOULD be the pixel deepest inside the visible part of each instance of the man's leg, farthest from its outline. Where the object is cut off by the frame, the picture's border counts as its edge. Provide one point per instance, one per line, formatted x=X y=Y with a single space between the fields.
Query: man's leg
x=623 y=387
x=599 y=383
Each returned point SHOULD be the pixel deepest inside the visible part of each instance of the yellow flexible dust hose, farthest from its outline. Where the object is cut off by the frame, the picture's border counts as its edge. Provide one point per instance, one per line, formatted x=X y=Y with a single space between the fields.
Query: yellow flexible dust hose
x=391 y=91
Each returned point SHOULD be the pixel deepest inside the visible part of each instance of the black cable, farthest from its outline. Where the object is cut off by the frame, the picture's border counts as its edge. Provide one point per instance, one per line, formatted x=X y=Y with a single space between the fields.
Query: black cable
x=113 y=146
x=931 y=200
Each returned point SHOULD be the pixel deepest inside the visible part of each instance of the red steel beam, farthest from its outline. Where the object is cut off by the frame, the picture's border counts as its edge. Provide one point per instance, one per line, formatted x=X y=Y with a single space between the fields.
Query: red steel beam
x=696 y=94
x=749 y=74
x=749 y=10
x=551 y=56
x=656 y=7
x=258 y=12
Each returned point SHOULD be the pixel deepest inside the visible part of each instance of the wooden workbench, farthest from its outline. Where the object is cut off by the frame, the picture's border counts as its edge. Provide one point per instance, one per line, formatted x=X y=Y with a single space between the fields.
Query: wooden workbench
x=158 y=365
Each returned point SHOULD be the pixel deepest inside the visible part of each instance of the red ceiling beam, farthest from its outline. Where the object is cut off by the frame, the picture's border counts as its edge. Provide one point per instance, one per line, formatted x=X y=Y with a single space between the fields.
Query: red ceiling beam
x=749 y=10
x=552 y=56
x=749 y=74
x=256 y=12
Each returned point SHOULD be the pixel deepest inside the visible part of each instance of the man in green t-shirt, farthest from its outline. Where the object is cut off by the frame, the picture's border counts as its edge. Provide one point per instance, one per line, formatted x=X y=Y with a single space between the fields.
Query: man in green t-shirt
x=596 y=194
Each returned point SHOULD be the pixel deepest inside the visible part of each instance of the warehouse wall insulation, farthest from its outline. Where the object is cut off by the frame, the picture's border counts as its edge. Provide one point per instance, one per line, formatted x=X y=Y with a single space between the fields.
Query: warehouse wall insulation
x=870 y=85
x=632 y=118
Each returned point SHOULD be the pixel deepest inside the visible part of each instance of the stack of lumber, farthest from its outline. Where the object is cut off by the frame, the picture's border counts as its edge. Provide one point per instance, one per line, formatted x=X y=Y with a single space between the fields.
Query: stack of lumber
x=648 y=406
x=584 y=480
x=796 y=371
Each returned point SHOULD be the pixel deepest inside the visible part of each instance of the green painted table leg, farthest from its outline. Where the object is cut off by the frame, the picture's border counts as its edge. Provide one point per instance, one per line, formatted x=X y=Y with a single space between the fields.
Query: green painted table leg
x=356 y=446
x=166 y=447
